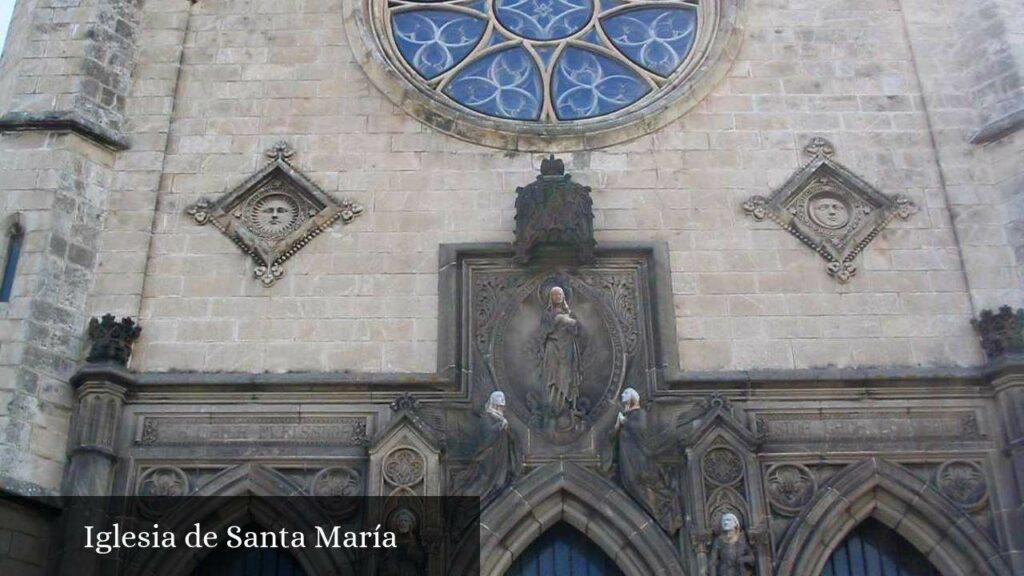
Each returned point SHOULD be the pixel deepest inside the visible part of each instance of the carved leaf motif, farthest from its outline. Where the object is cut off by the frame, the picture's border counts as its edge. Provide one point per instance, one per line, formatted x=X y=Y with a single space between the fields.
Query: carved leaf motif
x=790 y=487
x=963 y=482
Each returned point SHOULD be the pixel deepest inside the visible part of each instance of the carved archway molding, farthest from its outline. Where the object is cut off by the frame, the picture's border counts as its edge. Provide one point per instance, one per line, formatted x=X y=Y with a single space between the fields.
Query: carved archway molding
x=272 y=512
x=948 y=537
x=563 y=491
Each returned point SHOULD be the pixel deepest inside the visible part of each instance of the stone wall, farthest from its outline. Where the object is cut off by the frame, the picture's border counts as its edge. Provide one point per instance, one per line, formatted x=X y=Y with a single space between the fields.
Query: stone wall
x=363 y=296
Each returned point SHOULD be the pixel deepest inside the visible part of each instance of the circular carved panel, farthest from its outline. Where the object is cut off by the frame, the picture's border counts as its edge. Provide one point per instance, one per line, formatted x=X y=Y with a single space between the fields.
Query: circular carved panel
x=963 y=482
x=404 y=467
x=337 y=489
x=722 y=466
x=790 y=487
x=159 y=487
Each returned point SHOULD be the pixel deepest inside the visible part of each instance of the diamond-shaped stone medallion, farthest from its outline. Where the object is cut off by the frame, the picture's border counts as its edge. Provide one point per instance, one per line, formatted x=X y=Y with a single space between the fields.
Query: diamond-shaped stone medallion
x=830 y=209
x=273 y=214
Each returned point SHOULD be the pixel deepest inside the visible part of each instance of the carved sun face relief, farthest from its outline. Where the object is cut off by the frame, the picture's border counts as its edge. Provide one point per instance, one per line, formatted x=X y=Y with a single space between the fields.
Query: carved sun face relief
x=273 y=214
x=830 y=209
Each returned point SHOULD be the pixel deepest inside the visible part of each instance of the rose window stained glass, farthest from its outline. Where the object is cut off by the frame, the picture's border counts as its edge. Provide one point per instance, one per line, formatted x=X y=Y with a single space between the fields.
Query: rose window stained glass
x=546 y=61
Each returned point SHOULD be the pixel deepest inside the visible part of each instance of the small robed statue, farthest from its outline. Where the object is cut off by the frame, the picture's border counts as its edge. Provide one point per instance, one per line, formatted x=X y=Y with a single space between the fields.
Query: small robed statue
x=731 y=554
x=498 y=461
x=633 y=467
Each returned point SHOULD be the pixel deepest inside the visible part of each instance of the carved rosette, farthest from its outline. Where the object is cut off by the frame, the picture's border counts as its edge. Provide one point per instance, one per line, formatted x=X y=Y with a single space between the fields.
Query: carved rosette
x=790 y=487
x=273 y=214
x=337 y=490
x=722 y=466
x=404 y=468
x=158 y=487
x=831 y=209
x=964 y=483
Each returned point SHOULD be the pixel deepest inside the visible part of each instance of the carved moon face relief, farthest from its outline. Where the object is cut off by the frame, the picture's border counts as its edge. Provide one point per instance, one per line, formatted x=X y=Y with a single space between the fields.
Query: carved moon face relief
x=274 y=215
x=828 y=210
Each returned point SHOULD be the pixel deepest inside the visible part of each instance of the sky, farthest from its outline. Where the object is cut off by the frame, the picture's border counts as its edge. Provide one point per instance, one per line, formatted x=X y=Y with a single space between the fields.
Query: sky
x=6 y=8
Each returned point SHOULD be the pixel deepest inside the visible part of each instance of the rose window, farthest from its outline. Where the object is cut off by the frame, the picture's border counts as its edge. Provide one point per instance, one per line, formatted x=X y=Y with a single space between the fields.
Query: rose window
x=543 y=61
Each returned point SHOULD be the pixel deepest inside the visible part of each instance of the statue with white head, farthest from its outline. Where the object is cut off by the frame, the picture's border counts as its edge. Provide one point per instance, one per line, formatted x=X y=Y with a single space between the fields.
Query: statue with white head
x=731 y=554
x=632 y=465
x=497 y=462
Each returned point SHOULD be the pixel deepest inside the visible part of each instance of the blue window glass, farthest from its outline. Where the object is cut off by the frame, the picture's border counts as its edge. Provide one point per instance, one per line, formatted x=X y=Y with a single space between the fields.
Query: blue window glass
x=587 y=84
x=544 y=19
x=11 y=262
x=543 y=60
x=656 y=38
x=434 y=41
x=505 y=84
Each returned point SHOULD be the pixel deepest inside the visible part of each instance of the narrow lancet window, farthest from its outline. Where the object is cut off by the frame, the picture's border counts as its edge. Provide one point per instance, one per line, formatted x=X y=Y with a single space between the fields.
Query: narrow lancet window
x=15 y=235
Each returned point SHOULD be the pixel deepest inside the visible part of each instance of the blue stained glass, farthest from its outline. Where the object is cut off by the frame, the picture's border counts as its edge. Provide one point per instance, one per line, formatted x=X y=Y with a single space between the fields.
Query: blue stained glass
x=587 y=84
x=544 y=19
x=505 y=84
x=433 y=41
x=656 y=38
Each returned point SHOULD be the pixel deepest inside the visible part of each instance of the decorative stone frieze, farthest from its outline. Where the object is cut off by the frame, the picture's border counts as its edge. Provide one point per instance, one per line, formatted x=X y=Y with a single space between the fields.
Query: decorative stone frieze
x=112 y=339
x=1001 y=332
x=554 y=210
x=831 y=209
x=273 y=214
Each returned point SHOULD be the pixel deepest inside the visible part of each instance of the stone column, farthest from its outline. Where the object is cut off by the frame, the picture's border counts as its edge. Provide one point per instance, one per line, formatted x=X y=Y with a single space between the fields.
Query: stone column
x=100 y=389
x=1002 y=338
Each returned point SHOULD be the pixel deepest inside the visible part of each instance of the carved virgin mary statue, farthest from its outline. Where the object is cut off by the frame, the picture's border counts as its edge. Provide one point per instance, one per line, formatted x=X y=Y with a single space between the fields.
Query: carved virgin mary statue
x=497 y=462
x=561 y=371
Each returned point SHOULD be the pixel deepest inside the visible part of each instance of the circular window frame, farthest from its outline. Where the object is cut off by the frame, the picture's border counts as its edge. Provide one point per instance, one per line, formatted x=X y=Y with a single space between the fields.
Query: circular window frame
x=719 y=34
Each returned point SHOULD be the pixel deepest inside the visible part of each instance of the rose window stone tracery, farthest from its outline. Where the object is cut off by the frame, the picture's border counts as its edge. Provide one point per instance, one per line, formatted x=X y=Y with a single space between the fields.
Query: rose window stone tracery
x=546 y=61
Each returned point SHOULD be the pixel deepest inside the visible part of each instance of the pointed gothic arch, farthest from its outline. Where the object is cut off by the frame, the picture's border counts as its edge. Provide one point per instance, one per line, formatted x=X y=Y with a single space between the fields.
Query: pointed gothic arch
x=213 y=506
x=945 y=535
x=563 y=491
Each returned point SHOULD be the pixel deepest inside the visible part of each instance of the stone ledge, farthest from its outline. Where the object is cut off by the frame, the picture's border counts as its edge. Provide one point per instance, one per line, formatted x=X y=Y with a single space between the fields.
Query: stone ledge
x=1000 y=127
x=29 y=493
x=63 y=121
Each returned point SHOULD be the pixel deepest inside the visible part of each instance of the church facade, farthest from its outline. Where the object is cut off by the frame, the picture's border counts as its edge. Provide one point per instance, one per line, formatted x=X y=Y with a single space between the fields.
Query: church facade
x=708 y=288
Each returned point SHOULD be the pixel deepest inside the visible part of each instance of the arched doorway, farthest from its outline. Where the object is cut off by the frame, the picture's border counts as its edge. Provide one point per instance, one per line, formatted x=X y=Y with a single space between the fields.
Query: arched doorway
x=563 y=551
x=225 y=561
x=874 y=548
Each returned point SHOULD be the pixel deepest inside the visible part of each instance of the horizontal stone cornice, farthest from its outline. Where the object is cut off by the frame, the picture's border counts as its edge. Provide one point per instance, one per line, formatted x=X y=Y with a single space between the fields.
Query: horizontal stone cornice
x=63 y=121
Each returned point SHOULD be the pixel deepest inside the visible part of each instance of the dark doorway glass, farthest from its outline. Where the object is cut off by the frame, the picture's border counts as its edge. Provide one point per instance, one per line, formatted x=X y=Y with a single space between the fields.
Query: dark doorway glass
x=874 y=549
x=224 y=561
x=563 y=551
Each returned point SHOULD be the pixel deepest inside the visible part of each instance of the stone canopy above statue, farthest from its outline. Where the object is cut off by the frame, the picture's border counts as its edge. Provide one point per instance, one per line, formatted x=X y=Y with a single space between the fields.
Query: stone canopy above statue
x=554 y=211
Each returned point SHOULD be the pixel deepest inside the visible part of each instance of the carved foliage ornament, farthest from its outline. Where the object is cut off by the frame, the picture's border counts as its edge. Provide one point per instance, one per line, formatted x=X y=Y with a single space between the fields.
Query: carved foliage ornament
x=112 y=339
x=964 y=483
x=158 y=487
x=722 y=466
x=1001 y=332
x=404 y=467
x=273 y=214
x=790 y=487
x=830 y=209
x=337 y=490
